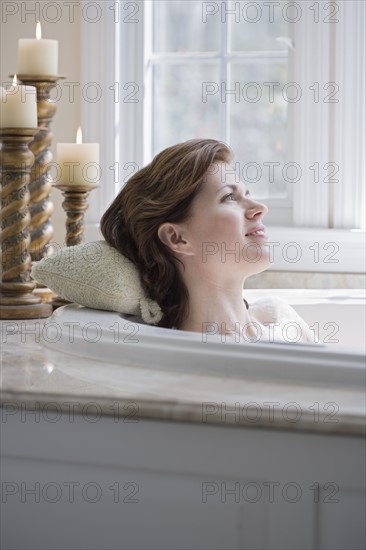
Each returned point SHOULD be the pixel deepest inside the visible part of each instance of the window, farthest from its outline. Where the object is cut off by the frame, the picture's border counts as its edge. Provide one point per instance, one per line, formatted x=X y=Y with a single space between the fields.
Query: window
x=282 y=82
x=219 y=69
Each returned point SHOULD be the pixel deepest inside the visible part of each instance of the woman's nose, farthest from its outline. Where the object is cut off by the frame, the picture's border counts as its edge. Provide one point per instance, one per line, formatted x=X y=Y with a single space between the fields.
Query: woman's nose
x=255 y=209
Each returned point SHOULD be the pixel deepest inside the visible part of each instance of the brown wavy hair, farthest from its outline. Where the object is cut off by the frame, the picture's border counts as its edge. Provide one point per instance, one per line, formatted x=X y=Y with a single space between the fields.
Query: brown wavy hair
x=161 y=192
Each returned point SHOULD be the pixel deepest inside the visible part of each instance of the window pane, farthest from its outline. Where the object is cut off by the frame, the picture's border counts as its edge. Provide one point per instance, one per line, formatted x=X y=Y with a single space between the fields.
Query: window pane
x=179 y=27
x=258 y=128
x=255 y=26
x=179 y=112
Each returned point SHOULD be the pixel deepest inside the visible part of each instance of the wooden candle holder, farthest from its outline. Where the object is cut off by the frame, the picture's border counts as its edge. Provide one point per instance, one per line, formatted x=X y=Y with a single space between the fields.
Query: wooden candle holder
x=17 y=300
x=75 y=205
x=41 y=207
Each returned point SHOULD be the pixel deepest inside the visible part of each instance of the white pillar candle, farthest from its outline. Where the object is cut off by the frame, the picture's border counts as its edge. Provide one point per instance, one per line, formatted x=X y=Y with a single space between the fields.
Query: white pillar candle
x=37 y=56
x=18 y=106
x=78 y=163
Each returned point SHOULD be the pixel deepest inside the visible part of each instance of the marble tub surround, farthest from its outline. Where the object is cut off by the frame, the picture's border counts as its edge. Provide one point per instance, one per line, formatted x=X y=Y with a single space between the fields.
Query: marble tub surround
x=40 y=379
x=305 y=279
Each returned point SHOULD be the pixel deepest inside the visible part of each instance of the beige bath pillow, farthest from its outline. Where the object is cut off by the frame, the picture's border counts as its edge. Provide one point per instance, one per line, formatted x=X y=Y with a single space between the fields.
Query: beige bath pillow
x=96 y=275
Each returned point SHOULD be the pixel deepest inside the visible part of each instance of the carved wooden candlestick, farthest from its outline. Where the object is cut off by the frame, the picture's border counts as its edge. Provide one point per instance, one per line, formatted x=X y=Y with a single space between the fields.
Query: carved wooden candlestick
x=75 y=205
x=16 y=298
x=41 y=207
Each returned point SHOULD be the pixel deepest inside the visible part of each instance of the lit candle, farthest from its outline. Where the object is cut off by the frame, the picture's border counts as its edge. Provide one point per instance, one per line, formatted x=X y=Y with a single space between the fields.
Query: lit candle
x=18 y=107
x=37 y=56
x=78 y=162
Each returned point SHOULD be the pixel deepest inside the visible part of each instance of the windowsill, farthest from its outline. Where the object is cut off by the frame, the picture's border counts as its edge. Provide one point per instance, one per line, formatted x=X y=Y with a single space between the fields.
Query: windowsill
x=317 y=250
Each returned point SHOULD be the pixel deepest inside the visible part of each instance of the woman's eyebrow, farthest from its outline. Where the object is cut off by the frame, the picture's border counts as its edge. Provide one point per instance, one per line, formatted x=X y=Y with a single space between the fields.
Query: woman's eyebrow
x=234 y=187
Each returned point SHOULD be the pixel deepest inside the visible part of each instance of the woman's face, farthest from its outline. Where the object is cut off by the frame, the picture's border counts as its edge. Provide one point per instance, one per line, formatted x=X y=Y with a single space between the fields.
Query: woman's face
x=225 y=227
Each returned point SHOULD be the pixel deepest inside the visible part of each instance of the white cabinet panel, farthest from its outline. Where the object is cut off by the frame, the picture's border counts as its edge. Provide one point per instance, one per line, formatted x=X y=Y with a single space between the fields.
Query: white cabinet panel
x=156 y=485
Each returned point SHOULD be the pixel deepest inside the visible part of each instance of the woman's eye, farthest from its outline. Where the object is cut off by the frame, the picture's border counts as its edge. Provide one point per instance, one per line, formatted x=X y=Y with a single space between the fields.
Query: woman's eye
x=229 y=195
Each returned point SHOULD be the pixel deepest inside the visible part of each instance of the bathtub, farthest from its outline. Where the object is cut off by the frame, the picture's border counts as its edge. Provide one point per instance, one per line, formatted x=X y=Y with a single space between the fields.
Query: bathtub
x=336 y=317
x=165 y=437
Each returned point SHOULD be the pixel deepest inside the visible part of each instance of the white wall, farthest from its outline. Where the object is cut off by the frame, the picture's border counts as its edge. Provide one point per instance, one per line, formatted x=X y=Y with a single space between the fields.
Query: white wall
x=17 y=21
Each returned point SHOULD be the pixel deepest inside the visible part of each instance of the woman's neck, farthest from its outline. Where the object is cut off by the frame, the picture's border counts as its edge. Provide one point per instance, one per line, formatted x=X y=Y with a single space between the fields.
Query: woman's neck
x=216 y=310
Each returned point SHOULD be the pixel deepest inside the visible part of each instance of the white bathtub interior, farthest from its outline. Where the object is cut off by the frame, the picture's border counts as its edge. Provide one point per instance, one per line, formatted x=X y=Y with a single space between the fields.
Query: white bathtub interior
x=338 y=358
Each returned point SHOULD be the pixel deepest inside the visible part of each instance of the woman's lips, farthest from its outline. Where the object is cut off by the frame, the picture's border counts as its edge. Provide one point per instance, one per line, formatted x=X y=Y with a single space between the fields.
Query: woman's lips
x=259 y=232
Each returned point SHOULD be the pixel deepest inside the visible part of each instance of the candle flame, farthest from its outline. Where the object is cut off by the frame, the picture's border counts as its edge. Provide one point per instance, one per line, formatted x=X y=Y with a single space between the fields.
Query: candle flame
x=15 y=80
x=38 y=31
x=79 y=136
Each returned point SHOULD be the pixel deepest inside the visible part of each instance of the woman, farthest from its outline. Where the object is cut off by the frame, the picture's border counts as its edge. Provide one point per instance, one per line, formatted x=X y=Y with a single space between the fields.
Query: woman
x=195 y=234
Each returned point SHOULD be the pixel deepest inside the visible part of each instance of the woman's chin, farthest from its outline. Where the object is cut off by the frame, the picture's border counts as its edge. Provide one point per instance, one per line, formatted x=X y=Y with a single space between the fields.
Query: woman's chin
x=256 y=251
x=257 y=259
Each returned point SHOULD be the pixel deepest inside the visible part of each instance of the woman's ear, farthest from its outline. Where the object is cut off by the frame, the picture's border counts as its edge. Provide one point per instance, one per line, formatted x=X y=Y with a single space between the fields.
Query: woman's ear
x=171 y=235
